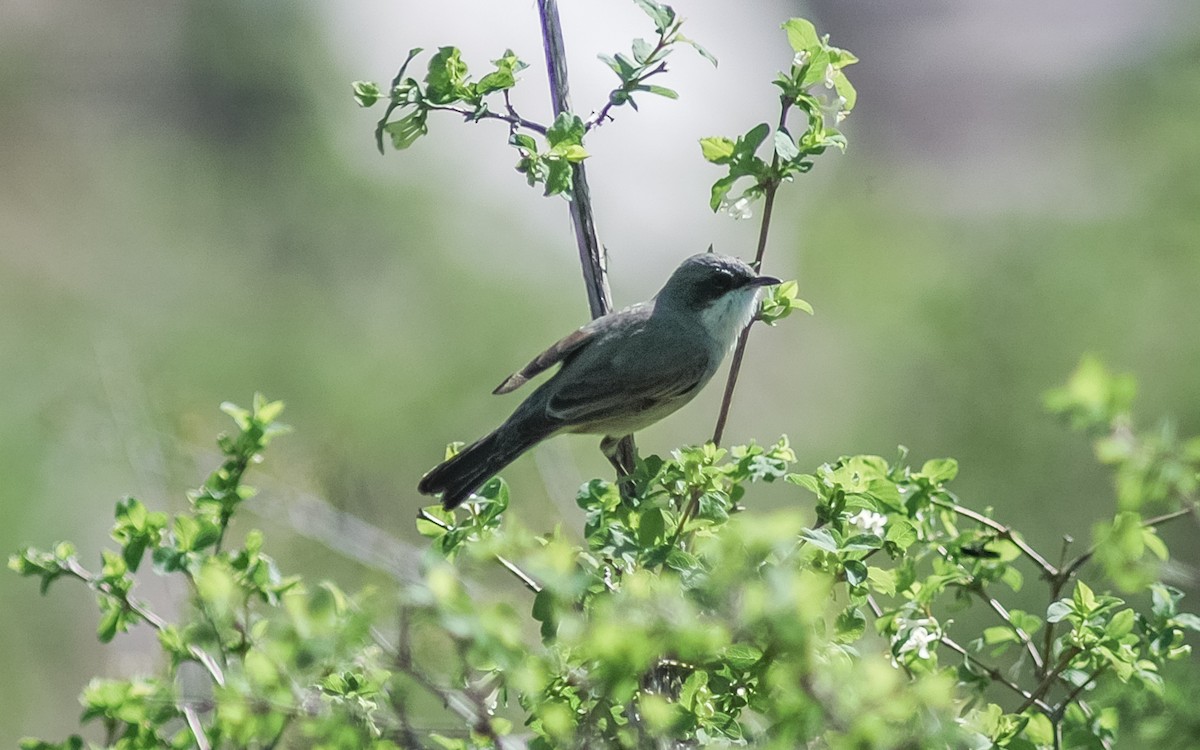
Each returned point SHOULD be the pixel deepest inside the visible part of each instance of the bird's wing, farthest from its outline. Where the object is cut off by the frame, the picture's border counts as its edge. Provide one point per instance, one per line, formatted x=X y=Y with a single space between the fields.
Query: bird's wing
x=556 y=353
x=606 y=387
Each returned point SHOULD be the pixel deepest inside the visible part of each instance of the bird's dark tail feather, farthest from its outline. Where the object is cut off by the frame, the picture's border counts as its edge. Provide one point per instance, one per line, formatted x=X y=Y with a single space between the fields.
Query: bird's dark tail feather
x=457 y=477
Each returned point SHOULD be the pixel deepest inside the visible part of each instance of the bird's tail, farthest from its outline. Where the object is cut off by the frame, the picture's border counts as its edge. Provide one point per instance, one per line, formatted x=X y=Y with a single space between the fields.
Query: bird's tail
x=460 y=475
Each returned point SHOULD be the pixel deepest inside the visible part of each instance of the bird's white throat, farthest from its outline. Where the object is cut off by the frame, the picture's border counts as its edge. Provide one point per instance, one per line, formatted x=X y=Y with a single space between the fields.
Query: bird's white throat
x=725 y=318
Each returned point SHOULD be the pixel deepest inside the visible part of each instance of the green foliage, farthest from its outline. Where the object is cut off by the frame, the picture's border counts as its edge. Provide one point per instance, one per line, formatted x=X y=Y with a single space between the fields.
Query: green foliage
x=816 y=66
x=682 y=615
x=1153 y=470
x=647 y=60
x=448 y=86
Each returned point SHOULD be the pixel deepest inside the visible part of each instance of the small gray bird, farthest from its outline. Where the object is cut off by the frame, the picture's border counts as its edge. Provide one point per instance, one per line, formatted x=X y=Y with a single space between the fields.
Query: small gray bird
x=620 y=373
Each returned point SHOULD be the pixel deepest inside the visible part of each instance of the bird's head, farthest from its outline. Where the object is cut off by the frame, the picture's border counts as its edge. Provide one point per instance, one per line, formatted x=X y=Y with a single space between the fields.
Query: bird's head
x=719 y=289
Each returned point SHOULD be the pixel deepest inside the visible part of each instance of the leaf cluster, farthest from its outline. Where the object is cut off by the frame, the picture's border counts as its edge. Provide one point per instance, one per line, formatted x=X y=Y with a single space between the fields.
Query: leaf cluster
x=815 y=84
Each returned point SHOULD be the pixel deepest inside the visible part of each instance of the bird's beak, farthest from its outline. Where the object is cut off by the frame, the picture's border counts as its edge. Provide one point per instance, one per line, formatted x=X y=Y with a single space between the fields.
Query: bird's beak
x=764 y=281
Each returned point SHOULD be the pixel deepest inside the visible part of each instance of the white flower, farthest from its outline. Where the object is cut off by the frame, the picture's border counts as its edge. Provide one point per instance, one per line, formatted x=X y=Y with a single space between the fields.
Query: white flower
x=801 y=59
x=830 y=72
x=740 y=209
x=869 y=521
x=916 y=635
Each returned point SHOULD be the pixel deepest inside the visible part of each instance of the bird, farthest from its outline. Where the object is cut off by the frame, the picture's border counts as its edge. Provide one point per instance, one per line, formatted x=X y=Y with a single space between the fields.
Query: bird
x=619 y=373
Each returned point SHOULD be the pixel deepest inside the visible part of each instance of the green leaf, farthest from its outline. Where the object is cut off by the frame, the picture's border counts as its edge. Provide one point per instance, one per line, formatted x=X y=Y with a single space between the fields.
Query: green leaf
x=742 y=656
x=999 y=634
x=845 y=90
x=850 y=625
x=445 y=82
x=940 y=470
x=699 y=50
x=567 y=129
x=882 y=581
x=662 y=91
x=651 y=528
x=716 y=149
x=802 y=35
x=856 y=572
x=1058 y=611
x=820 y=538
x=1121 y=624
x=558 y=177
x=408 y=129
x=807 y=481
x=662 y=15
x=504 y=77
x=753 y=138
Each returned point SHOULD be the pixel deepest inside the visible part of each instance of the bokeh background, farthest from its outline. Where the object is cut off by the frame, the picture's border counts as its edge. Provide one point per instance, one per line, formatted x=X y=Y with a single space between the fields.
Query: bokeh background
x=191 y=209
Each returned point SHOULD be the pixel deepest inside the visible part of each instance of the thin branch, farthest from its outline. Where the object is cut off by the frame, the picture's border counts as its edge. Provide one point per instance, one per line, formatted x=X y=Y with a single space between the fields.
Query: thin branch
x=151 y=619
x=512 y=118
x=1061 y=708
x=602 y=116
x=1082 y=560
x=196 y=728
x=1048 y=680
x=995 y=674
x=593 y=259
x=1026 y=640
x=528 y=580
x=739 y=351
x=1004 y=532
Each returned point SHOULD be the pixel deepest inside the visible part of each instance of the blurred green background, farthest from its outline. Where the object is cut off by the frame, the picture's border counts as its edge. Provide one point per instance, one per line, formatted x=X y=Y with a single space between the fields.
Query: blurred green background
x=191 y=210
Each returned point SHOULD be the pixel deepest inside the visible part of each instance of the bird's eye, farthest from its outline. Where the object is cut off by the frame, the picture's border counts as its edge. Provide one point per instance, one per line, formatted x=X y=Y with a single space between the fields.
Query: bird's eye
x=722 y=283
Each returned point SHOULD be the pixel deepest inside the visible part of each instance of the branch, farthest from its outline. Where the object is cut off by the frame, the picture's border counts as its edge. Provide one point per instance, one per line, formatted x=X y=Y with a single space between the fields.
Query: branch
x=739 y=351
x=591 y=254
x=1004 y=532
x=1048 y=680
x=151 y=619
x=528 y=580
x=512 y=118
x=1080 y=561
x=1026 y=641
x=593 y=259
x=992 y=672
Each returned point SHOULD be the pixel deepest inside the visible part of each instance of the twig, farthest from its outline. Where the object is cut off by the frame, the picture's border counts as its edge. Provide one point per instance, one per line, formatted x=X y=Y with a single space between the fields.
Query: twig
x=151 y=619
x=1061 y=708
x=196 y=728
x=1080 y=561
x=528 y=580
x=1004 y=532
x=739 y=351
x=1000 y=610
x=1048 y=680
x=992 y=672
x=512 y=118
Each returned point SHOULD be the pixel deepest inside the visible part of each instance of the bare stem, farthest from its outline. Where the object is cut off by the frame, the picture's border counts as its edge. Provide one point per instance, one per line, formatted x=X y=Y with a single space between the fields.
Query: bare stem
x=735 y=366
